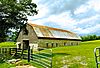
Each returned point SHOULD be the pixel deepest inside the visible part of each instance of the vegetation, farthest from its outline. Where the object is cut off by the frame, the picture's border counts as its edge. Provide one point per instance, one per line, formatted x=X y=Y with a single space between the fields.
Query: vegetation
x=13 y=36
x=7 y=44
x=13 y=14
x=81 y=56
x=6 y=65
x=20 y=63
x=90 y=37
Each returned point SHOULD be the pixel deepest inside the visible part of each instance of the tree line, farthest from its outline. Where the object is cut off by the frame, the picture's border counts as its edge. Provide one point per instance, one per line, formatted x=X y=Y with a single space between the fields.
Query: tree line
x=90 y=37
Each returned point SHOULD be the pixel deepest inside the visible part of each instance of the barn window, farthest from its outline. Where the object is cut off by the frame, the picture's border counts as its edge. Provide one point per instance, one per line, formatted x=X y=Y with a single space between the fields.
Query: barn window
x=77 y=43
x=64 y=44
x=19 y=46
x=71 y=43
x=47 y=44
x=52 y=44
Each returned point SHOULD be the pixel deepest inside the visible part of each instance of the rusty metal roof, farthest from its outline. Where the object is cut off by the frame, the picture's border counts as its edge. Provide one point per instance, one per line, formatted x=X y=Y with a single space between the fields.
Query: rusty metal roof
x=45 y=31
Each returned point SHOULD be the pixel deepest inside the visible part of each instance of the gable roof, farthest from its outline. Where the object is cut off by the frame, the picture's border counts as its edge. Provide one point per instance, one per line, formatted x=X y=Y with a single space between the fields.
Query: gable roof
x=49 y=32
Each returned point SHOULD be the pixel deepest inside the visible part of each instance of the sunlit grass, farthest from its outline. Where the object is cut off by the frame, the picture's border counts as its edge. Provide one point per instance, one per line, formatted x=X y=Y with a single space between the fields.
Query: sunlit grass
x=79 y=56
x=7 y=44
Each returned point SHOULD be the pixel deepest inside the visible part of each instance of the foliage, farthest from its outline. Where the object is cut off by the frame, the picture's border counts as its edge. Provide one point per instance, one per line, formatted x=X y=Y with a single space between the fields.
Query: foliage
x=90 y=37
x=13 y=14
x=12 y=36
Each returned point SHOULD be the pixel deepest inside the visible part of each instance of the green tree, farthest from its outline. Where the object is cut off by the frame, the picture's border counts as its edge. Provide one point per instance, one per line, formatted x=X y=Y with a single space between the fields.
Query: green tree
x=90 y=37
x=13 y=14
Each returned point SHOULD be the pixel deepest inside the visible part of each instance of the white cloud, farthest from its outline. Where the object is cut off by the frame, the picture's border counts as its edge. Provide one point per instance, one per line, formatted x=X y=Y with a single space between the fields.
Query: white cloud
x=95 y=4
x=60 y=12
x=81 y=31
x=88 y=20
x=89 y=30
x=91 y=4
x=42 y=12
x=64 y=20
x=82 y=9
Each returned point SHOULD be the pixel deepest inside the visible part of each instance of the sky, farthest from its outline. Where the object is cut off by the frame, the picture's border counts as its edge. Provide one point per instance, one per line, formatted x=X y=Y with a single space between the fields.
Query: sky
x=79 y=16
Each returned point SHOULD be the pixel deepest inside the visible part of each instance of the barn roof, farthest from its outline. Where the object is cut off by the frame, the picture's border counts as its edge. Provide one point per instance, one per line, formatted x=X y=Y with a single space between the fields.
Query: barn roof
x=49 y=32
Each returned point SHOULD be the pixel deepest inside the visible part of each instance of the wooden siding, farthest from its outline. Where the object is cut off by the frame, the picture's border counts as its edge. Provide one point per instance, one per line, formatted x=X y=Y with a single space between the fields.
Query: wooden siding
x=31 y=35
x=56 y=43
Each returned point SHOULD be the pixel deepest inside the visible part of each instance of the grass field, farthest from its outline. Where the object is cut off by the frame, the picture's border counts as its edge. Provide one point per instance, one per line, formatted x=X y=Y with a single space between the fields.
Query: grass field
x=81 y=56
x=7 y=44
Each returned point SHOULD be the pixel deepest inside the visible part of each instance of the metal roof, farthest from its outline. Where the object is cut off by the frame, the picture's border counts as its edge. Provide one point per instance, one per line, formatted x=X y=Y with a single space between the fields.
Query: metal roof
x=45 y=31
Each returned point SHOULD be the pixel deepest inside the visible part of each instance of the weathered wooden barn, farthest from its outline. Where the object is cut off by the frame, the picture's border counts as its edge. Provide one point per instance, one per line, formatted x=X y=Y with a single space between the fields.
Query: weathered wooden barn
x=43 y=36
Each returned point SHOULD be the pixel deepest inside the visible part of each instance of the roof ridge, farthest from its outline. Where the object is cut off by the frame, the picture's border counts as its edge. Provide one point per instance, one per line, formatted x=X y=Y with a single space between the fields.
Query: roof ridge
x=51 y=28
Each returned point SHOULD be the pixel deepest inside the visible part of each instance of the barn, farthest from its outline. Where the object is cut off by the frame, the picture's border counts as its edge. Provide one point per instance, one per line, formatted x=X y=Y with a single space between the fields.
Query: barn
x=37 y=36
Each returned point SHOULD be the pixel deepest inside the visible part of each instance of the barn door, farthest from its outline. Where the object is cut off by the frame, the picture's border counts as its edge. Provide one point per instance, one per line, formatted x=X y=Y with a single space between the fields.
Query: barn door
x=25 y=44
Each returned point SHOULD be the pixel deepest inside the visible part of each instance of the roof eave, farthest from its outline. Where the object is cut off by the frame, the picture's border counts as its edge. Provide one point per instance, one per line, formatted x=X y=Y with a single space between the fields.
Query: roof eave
x=58 y=38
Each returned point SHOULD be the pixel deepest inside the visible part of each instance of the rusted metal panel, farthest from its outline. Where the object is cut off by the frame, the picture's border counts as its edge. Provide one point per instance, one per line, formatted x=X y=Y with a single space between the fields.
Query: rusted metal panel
x=44 y=31
x=38 y=32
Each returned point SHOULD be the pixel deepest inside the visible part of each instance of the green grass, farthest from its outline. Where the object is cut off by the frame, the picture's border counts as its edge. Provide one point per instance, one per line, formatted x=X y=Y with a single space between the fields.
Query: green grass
x=7 y=44
x=6 y=56
x=81 y=56
x=6 y=65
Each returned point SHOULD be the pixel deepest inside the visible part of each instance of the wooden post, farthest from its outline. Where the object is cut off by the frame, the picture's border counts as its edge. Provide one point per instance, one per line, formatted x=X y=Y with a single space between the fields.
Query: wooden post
x=51 y=58
x=5 y=49
x=29 y=53
x=15 y=51
x=0 y=50
x=10 y=51
x=22 y=51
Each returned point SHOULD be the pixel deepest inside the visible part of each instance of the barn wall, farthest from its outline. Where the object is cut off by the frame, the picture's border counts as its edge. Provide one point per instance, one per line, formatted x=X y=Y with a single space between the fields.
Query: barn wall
x=19 y=37
x=31 y=36
x=56 y=43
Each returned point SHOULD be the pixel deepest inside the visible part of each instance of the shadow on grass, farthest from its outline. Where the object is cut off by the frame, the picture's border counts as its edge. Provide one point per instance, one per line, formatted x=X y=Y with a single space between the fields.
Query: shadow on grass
x=51 y=55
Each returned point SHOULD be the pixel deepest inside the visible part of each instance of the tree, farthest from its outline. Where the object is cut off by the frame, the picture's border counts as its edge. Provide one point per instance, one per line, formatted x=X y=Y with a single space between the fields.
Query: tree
x=90 y=37
x=13 y=14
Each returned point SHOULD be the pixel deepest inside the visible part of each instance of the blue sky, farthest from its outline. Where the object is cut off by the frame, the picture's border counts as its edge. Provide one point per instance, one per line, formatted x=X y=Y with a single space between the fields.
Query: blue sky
x=79 y=16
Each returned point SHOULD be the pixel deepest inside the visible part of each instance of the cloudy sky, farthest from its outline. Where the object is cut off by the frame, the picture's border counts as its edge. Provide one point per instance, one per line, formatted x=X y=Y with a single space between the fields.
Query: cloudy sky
x=79 y=16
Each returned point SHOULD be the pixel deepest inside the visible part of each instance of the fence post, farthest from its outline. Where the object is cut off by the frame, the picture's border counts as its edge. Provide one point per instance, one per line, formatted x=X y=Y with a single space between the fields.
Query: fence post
x=51 y=58
x=10 y=51
x=1 y=50
x=28 y=53
x=15 y=51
